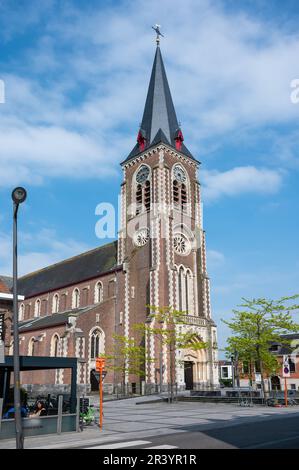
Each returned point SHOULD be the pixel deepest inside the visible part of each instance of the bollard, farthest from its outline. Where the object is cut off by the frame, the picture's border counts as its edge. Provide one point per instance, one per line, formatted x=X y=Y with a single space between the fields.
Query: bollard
x=78 y=415
x=59 y=417
x=1 y=408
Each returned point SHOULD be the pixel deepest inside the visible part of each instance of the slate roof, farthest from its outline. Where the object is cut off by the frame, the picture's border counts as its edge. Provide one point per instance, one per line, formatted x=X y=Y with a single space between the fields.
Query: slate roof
x=85 y=266
x=159 y=121
x=51 y=320
x=6 y=284
x=287 y=347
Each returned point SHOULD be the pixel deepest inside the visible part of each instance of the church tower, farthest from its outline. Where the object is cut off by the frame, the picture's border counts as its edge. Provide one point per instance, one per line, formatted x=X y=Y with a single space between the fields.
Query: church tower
x=161 y=242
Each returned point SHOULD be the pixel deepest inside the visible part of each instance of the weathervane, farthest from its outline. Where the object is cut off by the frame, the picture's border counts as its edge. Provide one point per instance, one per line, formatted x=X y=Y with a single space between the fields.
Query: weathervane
x=157 y=29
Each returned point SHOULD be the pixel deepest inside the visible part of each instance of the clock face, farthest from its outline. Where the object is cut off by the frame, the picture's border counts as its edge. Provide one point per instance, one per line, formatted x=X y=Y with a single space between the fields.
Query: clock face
x=179 y=174
x=143 y=174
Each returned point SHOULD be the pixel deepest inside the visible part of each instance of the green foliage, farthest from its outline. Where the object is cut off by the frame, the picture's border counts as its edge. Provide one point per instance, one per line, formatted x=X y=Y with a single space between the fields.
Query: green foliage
x=164 y=323
x=257 y=324
x=226 y=382
x=126 y=357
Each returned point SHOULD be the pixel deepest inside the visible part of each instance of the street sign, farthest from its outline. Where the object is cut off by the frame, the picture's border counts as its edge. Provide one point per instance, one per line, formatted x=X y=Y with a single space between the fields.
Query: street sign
x=286 y=366
x=97 y=375
x=100 y=364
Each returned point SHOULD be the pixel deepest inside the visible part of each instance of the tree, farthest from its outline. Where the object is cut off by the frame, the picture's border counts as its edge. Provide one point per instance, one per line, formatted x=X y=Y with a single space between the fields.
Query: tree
x=259 y=323
x=130 y=356
x=163 y=324
x=126 y=358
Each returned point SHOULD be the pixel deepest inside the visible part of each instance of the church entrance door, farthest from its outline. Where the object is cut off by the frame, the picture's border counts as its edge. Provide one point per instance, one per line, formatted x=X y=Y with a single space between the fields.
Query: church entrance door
x=188 y=374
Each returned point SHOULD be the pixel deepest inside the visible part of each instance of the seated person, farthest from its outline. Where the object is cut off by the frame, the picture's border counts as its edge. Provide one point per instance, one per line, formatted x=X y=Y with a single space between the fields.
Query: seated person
x=40 y=410
x=10 y=414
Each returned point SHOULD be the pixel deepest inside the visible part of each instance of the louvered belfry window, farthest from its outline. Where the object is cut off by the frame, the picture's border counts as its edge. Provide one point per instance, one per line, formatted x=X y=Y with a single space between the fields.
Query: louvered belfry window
x=183 y=197
x=147 y=196
x=143 y=197
x=180 y=197
x=143 y=190
x=176 y=197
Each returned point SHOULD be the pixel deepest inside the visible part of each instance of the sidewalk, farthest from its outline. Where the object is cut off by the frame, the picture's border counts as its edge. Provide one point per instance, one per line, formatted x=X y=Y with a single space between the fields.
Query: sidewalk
x=124 y=420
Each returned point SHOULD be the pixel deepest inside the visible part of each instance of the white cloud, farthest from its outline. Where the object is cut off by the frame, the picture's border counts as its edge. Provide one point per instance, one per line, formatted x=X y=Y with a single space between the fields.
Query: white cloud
x=47 y=250
x=75 y=99
x=215 y=258
x=240 y=180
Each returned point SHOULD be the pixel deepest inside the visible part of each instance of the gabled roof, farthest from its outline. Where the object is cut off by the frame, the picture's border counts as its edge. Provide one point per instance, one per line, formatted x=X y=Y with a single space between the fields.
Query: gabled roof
x=85 y=266
x=51 y=320
x=159 y=121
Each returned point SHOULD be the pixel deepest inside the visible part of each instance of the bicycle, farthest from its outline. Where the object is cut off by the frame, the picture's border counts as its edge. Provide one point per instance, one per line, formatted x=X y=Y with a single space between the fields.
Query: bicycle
x=87 y=416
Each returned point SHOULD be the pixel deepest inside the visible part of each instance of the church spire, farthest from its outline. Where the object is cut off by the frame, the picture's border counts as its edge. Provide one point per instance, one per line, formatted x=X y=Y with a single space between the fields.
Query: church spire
x=159 y=121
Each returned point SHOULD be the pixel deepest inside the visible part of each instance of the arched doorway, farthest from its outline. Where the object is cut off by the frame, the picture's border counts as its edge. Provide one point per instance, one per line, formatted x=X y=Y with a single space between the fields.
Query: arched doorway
x=96 y=348
x=195 y=366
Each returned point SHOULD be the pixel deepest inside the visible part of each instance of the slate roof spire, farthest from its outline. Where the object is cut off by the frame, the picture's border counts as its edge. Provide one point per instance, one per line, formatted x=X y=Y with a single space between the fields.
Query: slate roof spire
x=159 y=121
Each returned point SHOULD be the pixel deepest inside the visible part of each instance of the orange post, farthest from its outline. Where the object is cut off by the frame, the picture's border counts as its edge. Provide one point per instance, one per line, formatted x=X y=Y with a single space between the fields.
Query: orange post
x=285 y=392
x=100 y=363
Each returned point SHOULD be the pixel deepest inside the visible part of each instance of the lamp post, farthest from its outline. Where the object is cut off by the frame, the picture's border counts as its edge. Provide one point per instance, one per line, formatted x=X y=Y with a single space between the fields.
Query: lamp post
x=18 y=196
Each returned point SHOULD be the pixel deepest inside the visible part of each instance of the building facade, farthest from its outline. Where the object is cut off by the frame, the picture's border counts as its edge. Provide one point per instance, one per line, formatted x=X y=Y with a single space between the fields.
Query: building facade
x=74 y=308
x=276 y=381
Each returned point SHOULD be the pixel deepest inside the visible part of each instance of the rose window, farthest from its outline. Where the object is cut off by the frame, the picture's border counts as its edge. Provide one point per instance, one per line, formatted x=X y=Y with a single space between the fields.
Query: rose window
x=141 y=237
x=181 y=244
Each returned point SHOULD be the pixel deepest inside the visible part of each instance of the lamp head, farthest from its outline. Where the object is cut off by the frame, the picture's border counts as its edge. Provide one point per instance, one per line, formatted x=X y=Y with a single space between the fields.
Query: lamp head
x=19 y=195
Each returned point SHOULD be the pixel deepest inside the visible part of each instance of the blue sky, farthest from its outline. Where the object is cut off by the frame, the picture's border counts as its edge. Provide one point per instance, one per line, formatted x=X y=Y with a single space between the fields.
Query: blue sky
x=76 y=75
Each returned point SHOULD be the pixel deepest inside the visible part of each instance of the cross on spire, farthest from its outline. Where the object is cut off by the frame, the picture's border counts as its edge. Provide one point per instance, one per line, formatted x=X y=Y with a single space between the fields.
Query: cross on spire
x=157 y=29
x=159 y=122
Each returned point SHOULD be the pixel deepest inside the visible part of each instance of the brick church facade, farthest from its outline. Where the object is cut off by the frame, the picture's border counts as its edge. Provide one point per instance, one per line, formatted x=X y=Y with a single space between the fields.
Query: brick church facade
x=73 y=308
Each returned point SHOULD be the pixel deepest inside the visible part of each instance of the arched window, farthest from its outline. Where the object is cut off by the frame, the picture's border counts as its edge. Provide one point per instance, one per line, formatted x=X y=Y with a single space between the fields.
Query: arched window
x=55 y=345
x=185 y=290
x=76 y=298
x=55 y=304
x=21 y=312
x=179 y=188
x=96 y=343
x=181 y=288
x=143 y=189
x=37 y=308
x=27 y=312
x=111 y=288
x=98 y=292
x=31 y=347
x=189 y=293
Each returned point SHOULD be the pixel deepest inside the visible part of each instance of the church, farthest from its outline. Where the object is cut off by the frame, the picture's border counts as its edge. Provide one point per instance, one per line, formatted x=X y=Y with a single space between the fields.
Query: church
x=75 y=307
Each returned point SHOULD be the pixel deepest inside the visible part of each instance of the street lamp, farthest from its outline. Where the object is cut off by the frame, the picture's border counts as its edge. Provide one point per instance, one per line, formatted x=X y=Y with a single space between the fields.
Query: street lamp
x=18 y=196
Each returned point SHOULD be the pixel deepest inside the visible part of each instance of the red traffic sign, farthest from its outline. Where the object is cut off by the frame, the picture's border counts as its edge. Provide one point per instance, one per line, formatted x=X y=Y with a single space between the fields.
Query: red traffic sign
x=100 y=363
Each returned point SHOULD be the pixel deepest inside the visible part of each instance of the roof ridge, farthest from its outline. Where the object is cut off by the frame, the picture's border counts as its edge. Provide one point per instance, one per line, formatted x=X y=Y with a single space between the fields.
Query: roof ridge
x=33 y=273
